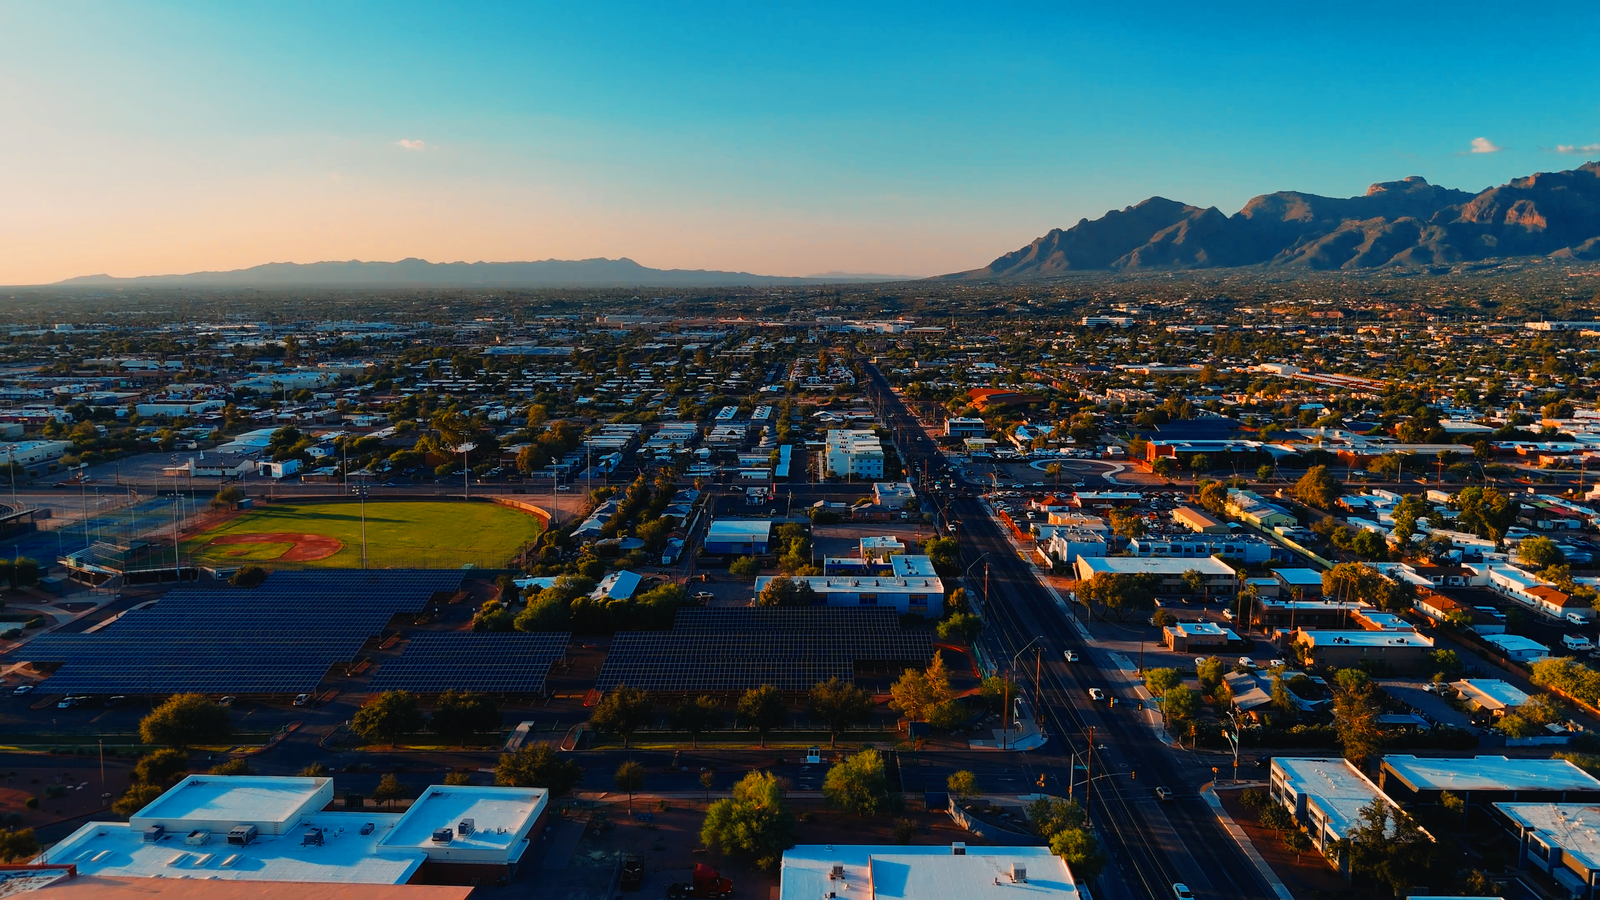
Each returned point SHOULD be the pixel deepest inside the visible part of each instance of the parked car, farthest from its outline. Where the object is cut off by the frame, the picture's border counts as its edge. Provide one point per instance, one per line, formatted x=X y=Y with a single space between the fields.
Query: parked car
x=115 y=700
x=1576 y=619
x=21 y=689
x=1247 y=662
x=227 y=701
x=302 y=699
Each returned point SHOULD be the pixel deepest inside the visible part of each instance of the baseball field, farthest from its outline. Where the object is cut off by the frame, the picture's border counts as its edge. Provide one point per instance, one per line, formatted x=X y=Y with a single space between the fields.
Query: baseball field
x=431 y=535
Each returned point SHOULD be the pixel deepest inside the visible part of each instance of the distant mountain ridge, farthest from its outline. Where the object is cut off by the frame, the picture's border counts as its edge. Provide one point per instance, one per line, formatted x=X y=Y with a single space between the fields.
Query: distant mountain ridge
x=412 y=272
x=1396 y=223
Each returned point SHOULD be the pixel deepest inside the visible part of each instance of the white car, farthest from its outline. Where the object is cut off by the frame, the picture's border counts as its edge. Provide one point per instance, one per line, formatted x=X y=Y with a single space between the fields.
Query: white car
x=1247 y=662
x=1228 y=614
x=21 y=689
x=302 y=699
x=1576 y=619
x=1180 y=891
x=1071 y=656
x=1096 y=694
x=1277 y=664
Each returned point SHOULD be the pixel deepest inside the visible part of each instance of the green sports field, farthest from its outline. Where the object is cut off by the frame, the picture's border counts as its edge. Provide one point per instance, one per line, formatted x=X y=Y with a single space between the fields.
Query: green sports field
x=399 y=535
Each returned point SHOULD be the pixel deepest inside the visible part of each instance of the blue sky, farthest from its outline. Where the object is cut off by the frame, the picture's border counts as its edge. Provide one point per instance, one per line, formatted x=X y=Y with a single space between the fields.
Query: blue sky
x=918 y=138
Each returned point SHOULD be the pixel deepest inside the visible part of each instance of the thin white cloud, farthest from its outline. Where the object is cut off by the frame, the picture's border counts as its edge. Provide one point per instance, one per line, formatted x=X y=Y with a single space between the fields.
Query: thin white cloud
x=409 y=144
x=1484 y=145
x=1576 y=150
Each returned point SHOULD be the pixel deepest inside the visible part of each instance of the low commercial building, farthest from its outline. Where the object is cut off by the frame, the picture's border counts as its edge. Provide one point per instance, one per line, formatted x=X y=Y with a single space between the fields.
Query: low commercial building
x=1199 y=521
x=1517 y=647
x=33 y=453
x=1294 y=614
x=896 y=872
x=261 y=828
x=1562 y=840
x=1066 y=545
x=1490 y=695
x=1248 y=507
x=1534 y=592
x=739 y=537
x=1187 y=636
x=1325 y=796
x=1393 y=652
x=919 y=594
x=1217 y=576
x=1481 y=780
x=1246 y=548
x=1308 y=582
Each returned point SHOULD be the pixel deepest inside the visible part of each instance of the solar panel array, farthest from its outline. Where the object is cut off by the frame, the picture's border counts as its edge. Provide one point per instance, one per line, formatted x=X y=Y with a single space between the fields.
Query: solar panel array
x=500 y=663
x=735 y=649
x=278 y=638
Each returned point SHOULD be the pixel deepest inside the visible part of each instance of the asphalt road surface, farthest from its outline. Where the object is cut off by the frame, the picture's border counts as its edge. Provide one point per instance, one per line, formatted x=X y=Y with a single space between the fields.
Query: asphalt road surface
x=1150 y=844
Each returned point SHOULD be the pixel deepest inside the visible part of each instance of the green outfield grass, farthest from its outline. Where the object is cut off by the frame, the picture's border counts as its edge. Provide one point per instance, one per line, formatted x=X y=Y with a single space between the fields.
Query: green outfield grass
x=399 y=534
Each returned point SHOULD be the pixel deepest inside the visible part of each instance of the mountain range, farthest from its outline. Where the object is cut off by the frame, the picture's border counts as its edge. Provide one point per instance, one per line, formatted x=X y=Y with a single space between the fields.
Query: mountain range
x=548 y=273
x=1396 y=223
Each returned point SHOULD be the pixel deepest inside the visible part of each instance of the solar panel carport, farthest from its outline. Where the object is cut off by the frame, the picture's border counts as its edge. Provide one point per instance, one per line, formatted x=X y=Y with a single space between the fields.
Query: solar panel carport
x=281 y=637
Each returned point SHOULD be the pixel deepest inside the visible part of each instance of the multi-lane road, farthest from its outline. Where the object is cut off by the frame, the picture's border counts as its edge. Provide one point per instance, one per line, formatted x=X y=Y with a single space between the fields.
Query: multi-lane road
x=1151 y=844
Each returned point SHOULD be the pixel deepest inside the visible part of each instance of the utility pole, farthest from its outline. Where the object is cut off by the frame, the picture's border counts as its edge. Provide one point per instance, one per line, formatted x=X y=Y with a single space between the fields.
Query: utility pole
x=1038 y=665
x=1088 y=783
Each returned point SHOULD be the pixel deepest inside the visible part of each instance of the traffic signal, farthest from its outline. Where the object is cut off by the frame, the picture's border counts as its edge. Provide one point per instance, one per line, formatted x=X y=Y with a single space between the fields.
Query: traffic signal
x=1041 y=780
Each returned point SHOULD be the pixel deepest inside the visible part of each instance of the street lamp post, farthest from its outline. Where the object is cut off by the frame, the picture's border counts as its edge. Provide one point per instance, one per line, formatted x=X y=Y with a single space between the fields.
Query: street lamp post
x=1005 y=700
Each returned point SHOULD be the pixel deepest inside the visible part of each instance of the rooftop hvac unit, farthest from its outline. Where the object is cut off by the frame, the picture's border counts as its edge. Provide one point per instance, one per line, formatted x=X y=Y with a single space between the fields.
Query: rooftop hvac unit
x=241 y=835
x=1019 y=873
x=837 y=873
x=312 y=838
x=368 y=828
x=197 y=838
x=442 y=835
x=959 y=848
x=466 y=827
x=154 y=833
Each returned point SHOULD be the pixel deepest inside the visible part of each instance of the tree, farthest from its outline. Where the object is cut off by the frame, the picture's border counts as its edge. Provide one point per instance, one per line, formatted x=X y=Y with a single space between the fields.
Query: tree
x=960 y=627
x=234 y=767
x=1127 y=524
x=162 y=768
x=755 y=822
x=493 y=616
x=945 y=554
x=1485 y=512
x=1447 y=664
x=1317 y=487
x=18 y=845
x=1265 y=471
x=1356 y=706
x=389 y=789
x=1539 y=553
x=137 y=797
x=623 y=710
x=962 y=785
x=1123 y=595
x=1193 y=581
x=538 y=766
x=461 y=714
x=744 y=567
x=547 y=611
x=388 y=718
x=1164 y=467
x=629 y=779
x=1159 y=681
x=1180 y=704
x=839 y=704
x=858 y=784
x=916 y=694
x=227 y=498
x=248 y=577
x=1199 y=464
x=784 y=591
x=1388 y=846
x=1214 y=496
x=762 y=709
x=186 y=720
x=1065 y=827
x=696 y=717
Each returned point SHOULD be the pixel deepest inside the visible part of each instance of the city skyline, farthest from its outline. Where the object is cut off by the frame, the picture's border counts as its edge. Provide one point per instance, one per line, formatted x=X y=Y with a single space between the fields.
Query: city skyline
x=164 y=138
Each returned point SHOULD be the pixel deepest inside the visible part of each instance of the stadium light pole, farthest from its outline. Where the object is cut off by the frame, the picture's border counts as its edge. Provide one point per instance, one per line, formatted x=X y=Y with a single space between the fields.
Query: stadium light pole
x=466 y=473
x=360 y=490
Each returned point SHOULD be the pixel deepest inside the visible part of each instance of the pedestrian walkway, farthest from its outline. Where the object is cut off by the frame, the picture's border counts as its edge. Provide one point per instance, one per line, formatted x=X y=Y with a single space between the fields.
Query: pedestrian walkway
x=1208 y=794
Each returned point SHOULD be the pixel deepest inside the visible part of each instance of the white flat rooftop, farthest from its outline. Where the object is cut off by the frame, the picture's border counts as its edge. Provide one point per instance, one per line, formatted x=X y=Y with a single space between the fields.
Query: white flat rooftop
x=1491 y=692
x=739 y=528
x=501 y=818
x=1574 y=827
x=1334 y=785
x=1156 y=565
x=233 y=800
x=1328 y=638
x=346 y=855
x=1490 y=773
x=892 y=872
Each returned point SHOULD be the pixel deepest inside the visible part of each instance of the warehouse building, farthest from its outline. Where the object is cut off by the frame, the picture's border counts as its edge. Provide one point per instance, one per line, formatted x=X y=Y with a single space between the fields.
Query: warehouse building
x=1394 y=652
x=1481 y=780
x=1218 y=577
x=895 y=872
x=1325 y=796
x=739 y=537
x=920 y=594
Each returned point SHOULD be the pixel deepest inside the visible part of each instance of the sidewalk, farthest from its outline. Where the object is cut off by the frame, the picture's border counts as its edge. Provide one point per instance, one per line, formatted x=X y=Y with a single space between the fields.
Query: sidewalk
x=1239 y=837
